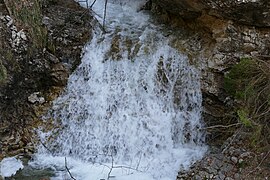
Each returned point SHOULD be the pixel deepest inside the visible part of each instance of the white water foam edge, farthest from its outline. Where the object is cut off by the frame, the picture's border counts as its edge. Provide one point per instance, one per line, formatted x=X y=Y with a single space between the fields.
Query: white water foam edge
x=9 y=166
x=82 y=170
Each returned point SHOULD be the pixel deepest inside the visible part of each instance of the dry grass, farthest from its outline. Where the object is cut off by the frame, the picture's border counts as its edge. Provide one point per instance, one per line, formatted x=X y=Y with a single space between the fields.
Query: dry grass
x=249 y=83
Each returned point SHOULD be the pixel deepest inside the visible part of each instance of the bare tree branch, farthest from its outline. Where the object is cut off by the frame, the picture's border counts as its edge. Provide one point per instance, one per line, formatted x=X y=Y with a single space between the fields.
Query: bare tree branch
x=6 y=2
x=127 y=167
x=221 y=126
x=68 y=170
x=92 y=4
x=104 y=15
x=111 y=168
x=259 y=163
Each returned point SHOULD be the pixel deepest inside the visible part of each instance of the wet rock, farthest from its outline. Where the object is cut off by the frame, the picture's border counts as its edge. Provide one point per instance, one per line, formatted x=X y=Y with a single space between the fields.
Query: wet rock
x=230 y=165
x=46 y=21
x=237 y=176
x=240 y=161
x=234 y=160
x=52 y=58
x=10 y=20
x=59 y=74
x=36 y=98
x=221 y=176
x=239 y=11
x=203 y=174
x=182 y=8
x=245 y=155
x=242 y=12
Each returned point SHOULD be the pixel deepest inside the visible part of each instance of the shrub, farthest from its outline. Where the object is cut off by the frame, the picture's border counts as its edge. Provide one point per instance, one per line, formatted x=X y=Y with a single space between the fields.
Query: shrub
x=249 y=83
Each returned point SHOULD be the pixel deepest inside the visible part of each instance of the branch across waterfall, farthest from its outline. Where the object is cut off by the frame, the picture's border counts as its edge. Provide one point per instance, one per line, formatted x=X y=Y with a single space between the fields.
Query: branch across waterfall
x=68 y=170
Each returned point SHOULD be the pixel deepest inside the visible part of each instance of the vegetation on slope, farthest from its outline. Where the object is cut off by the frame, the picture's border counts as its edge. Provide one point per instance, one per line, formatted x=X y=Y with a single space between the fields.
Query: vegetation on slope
x=249 y=83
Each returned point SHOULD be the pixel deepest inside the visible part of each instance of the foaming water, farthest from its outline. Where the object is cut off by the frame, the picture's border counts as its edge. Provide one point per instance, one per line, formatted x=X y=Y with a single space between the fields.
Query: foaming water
x=131 y=110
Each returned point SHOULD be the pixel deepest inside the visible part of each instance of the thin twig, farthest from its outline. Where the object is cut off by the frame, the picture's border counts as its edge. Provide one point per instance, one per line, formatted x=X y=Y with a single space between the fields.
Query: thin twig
x=45 y=146
x=96 y=13
x=127 y=167
x=8 y=7
x=137 y=167
x=104 y=16
x=96 y=21
x=221 y=126
x=92 y=4
x=262 y=160
x=255 y=169
x=109 y=174
x=117 y=167
x=232 y=140
x=68 y=169
x=87 y=4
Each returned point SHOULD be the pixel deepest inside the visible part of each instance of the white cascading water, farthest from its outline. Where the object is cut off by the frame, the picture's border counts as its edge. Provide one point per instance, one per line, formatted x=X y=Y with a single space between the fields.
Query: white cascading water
x=131 y=110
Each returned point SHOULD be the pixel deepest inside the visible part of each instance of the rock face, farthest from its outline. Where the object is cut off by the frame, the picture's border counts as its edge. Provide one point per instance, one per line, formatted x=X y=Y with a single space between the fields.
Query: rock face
x=215 y=35
x=186 y=9
x=231 y=161
x=30 y=78
x=248 y=12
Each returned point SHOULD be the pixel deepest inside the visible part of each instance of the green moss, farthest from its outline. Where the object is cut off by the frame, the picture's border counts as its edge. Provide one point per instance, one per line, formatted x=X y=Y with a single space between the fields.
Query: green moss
x=236 y=82
x=243 y=117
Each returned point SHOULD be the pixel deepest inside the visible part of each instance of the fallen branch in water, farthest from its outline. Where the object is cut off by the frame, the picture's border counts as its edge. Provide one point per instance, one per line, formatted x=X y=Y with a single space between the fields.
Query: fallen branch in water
x=104 y=16
x=117 y=167
x=92 y=4
x=42 y=143
x=68 y=169
x=97 y=22
x=111 y=168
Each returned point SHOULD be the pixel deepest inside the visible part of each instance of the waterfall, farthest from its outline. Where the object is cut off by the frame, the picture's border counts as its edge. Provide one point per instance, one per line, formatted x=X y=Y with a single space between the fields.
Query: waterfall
x=131 y=110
